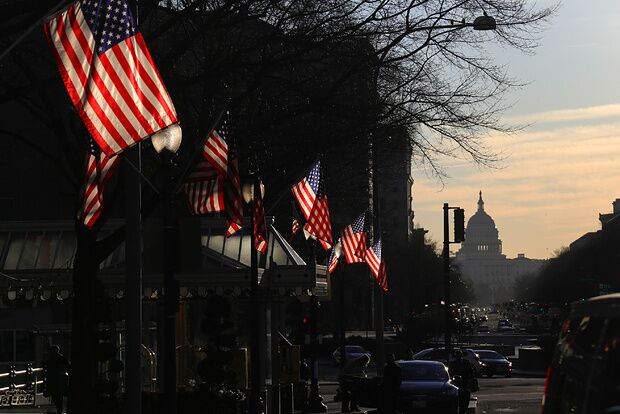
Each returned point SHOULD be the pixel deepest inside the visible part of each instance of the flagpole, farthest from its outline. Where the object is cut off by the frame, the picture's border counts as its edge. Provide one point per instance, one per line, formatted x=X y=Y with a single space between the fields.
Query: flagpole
x=255 y=374
x=376 y=235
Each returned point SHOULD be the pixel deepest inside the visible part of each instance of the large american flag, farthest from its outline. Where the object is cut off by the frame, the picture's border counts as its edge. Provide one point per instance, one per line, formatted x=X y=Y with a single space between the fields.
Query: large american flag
x=99 y=169
x=204 y=190
x=305 y=191
x=233 y=198
x=109 y=73
x=259 y=224
x=215 y=148
x=319 y=223
x=354 y=240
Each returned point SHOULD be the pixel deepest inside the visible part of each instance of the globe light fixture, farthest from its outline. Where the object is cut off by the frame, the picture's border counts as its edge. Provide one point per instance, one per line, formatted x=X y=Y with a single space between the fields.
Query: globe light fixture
x=247 y=190
x=168 y=139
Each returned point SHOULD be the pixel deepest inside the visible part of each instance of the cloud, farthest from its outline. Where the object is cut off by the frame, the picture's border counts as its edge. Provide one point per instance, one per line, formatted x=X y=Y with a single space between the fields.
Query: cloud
x=567 y=115
x=548 y=192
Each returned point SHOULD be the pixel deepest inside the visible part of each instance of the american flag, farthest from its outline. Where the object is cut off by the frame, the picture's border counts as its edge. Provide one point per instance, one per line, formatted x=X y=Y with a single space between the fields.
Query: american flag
x=334 y=256
x=354 y=240
x=295 y=228
x=259 y=224
x=204 y=190
x=232 y=193
x=305 y=191
x=377 y=264
x=319 y=224
x=373 y=258
x=99 y=169
x=109 y=73
x=215 y=148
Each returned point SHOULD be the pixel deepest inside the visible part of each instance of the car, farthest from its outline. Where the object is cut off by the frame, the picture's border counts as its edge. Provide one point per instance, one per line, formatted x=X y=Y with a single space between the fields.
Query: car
x=483 y=329
x=506 y=329
x=495 y=363
x=584 y=375
x=441 y=355
x=426 y=386
x=352 y=352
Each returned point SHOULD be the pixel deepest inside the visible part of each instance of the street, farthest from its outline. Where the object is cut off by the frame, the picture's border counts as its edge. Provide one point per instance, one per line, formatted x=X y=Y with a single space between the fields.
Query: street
x=496 y=395
x=509 y=395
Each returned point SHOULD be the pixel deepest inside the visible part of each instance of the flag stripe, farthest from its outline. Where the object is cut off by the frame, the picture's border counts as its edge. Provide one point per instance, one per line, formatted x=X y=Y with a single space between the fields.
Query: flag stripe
x=305 y=197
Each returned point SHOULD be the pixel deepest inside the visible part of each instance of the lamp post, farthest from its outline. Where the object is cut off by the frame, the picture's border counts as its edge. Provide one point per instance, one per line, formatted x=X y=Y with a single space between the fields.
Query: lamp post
x=167 y=143
x=249 y=192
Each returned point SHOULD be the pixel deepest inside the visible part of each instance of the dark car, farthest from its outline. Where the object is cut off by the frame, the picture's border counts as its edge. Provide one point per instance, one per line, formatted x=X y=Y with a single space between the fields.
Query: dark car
x=426 y=386
x=494 y=363
x=352 y=352
x=584 y=376
x=441 y=355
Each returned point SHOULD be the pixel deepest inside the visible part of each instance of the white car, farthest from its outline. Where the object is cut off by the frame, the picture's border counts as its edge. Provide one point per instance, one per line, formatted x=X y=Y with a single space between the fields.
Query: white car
x=352 y=352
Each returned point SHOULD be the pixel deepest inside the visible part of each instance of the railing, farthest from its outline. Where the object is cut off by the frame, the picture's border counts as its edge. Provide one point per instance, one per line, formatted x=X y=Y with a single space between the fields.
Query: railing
x=21 y=387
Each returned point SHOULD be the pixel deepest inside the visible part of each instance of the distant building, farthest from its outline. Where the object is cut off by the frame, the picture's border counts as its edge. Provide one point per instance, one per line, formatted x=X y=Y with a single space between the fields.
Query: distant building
x=481 y=260
x=607 y=217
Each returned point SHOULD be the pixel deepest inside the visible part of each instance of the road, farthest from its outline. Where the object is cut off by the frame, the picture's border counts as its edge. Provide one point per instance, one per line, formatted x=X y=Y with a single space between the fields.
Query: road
x=510 y=395
x=496 y=395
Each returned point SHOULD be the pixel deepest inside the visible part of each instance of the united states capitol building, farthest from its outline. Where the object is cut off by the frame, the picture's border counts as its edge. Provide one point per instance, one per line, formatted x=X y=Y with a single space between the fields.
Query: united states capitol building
x=481 y=260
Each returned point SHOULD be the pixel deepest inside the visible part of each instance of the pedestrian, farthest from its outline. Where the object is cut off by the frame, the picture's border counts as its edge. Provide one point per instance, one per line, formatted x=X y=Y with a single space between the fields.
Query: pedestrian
x=57 y=370
x=390 y=386
x=465 y=381
x=349 y=377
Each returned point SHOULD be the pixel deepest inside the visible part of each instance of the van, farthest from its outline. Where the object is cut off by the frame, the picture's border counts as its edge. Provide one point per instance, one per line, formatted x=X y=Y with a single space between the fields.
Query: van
x=584 y=376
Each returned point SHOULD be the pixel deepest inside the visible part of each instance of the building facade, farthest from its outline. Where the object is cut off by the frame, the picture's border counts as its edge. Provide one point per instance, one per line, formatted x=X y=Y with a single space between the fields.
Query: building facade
x=481 y=260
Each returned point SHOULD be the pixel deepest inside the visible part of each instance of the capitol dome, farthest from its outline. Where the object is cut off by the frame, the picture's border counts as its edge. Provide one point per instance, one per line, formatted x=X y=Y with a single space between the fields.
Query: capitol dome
x=481 y=235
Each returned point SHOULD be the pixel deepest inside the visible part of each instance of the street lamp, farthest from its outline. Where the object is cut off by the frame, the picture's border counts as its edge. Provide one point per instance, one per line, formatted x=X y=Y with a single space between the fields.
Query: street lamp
x=168 y=139
x=484 y=22
x=167 y=142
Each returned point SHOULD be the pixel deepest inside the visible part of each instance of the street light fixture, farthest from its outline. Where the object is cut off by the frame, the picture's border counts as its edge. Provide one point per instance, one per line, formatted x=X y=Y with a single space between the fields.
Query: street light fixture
x=484 y=22
x=168 y=139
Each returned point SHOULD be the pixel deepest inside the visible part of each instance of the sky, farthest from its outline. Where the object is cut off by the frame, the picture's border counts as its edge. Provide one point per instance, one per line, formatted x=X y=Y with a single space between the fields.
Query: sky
x=558 y=174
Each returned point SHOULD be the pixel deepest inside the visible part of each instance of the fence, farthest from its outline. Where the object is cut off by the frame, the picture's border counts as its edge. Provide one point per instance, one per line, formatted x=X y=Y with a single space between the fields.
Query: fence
x=21 y=387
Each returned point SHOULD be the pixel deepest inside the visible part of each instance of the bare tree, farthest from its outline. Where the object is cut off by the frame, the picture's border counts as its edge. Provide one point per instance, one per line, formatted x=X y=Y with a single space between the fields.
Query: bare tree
x=305 y=78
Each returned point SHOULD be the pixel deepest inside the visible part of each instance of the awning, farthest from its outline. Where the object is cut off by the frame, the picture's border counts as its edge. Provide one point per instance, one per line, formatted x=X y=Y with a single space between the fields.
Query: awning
x=36 y=258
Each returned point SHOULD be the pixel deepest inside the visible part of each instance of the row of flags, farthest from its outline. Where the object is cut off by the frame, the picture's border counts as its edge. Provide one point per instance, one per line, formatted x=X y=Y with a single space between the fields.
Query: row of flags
x=118 y=93
x=309 y=193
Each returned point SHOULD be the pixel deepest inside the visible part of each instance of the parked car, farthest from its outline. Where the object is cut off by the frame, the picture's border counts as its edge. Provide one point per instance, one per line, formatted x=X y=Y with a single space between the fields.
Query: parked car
x=426 y=386
x=441 y=355
x=352 y=352
x=483 y=329
x=506 y=329
x=495 y=363
x=584 y=376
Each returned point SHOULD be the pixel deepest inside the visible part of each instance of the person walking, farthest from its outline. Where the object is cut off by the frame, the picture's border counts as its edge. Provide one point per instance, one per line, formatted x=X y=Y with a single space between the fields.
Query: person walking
x=465 y=381
x=57 y=370
x=349 y=375
x=390 y=386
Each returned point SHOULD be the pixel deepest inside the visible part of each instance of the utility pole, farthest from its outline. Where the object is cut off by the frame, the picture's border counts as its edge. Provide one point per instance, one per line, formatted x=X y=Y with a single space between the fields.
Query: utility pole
x=375 y=234
x=459 y=236
x=446 y=279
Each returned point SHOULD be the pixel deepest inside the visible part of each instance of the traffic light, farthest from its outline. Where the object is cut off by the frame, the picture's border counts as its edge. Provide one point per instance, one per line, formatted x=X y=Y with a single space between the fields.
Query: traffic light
x=459 y=225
